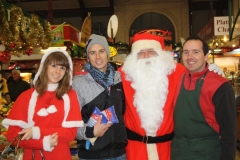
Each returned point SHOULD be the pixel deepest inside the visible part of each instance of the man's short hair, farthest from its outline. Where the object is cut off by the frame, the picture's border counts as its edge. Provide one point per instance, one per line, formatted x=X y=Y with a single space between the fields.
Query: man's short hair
x=204 y=44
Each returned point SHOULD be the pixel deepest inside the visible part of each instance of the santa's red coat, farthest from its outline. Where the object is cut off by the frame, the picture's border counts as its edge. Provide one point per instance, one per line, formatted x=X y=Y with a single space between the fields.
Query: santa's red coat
x=137 y=150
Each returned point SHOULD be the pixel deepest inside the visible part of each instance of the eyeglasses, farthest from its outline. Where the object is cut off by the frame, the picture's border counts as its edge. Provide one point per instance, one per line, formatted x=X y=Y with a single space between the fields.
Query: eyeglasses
x=146 y=53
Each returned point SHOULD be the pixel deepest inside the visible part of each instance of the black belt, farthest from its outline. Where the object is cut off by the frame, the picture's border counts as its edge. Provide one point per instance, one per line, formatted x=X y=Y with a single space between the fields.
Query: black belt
x=148 y=139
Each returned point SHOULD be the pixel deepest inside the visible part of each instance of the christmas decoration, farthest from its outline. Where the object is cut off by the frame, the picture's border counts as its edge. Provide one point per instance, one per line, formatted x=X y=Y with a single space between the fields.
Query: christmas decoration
x=19 y=36
x=5 y=56
x=29 y=51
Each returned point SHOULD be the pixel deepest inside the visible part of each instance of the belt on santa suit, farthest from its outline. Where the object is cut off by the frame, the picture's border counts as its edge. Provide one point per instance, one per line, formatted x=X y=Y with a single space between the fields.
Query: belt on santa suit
x=131 y=135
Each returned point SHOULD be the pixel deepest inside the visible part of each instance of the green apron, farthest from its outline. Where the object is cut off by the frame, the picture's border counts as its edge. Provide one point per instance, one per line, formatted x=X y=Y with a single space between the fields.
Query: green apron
x=194 y=138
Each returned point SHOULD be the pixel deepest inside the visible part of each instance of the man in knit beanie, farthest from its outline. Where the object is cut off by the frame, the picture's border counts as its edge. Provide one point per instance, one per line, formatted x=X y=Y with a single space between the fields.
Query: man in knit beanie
x=96 y=39
x=100 y=87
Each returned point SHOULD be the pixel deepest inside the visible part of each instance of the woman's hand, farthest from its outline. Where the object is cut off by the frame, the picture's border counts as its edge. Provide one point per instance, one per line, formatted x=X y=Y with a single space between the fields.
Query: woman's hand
x=27 y=133
x=54 y=140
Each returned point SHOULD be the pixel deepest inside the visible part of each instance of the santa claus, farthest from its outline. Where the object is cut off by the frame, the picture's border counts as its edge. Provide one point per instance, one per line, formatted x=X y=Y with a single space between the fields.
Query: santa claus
x=149 y=77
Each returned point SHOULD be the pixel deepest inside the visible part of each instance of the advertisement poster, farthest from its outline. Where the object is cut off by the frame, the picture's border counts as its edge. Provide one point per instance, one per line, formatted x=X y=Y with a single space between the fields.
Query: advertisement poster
x=57 y=37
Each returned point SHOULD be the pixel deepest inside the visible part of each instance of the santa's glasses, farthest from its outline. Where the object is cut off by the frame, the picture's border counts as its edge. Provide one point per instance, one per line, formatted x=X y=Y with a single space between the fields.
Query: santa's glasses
x=146 y=53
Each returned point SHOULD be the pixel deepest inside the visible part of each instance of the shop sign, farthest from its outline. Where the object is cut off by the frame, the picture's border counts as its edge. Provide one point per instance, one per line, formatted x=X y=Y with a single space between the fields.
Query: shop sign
x=57 y=37
x=218 y=26
x=86 y=30
x=63 y=33
x=221 y=26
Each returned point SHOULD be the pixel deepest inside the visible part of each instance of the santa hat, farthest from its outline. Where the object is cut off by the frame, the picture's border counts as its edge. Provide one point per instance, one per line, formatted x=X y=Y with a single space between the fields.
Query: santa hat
x=44 y=58
x=147 y=40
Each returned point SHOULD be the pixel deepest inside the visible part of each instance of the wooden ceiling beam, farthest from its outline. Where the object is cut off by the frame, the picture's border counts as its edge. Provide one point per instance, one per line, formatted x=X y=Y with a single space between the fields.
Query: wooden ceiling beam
x=204 y=5
x=82 y=10
x=111 y=5
x=76 y=12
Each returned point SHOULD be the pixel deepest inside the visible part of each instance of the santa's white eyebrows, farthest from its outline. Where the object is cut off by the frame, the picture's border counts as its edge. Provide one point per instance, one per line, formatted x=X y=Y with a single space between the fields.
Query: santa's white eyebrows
x=193 y=50
x=147 y=49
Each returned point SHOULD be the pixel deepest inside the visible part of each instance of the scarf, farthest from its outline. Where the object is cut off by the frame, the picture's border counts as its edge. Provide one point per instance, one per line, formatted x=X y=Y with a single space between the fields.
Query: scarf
x=103 y=78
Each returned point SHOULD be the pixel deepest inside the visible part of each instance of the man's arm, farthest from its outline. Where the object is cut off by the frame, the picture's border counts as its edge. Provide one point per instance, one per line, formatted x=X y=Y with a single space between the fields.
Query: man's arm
x=224 y=101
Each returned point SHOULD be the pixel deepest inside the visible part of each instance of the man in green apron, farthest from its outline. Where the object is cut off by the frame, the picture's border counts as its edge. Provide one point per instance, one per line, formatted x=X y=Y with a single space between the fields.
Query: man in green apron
x=205 y=110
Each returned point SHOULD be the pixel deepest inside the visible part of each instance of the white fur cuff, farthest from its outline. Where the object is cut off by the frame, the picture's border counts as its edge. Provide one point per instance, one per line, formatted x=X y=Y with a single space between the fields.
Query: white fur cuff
x=46 y=144
x=36 y=132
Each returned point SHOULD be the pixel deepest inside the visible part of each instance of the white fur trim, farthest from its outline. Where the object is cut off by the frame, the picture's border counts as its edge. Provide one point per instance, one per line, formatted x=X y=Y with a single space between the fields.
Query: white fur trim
x=69 y=124
x=46 y=144
x=52 y=87
x=31 y=108
x=52 y=109
x=42 y=112
x=35 y=133
x=44 y=58
x=152 y=152
x=145 y=44
x=8 y=122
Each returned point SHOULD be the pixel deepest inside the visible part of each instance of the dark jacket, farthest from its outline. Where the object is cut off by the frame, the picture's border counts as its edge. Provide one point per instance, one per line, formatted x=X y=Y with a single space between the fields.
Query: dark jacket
x=16 y=88
x=90 y=95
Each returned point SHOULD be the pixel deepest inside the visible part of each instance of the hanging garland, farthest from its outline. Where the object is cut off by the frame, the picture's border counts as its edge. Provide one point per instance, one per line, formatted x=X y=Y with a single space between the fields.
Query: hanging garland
x=47 y=36
x=19 y=38
x=5 y=32
x=17 y=23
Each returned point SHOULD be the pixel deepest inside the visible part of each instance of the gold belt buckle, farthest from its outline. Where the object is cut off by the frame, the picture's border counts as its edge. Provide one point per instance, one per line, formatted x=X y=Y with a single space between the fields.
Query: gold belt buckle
x=143 y=140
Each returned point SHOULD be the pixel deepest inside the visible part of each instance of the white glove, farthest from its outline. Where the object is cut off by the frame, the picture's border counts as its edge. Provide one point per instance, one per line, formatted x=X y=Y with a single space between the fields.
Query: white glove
x=216 y=69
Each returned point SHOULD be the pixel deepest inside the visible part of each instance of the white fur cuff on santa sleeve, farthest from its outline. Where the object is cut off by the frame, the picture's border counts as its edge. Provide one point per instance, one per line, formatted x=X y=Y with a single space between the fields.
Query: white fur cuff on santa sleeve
x=36 y=133
x=46 y=144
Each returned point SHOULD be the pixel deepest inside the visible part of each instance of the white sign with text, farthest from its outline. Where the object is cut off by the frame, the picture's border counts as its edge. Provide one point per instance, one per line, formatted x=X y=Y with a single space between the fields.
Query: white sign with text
x=221 y=25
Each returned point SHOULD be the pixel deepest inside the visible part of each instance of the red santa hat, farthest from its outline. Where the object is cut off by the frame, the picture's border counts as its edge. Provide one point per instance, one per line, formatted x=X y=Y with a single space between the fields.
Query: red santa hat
x=147 y=40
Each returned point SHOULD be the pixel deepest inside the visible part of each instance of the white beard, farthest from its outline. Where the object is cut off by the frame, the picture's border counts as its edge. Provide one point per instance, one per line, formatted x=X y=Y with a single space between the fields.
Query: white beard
x=149 y=79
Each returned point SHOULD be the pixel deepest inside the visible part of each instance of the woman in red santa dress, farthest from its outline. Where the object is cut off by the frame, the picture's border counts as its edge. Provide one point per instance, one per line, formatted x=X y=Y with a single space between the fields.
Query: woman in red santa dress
x=48 y=114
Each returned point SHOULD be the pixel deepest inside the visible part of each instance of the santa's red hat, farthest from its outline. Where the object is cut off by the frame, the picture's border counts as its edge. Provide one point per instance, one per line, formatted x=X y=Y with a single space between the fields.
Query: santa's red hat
x=147 y=40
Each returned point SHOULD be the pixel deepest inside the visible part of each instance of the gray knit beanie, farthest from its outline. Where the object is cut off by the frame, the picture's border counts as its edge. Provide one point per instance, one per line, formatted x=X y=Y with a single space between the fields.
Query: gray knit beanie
x=97 y=39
